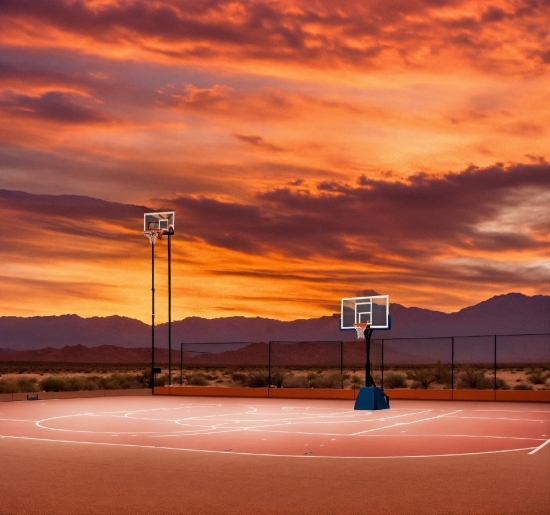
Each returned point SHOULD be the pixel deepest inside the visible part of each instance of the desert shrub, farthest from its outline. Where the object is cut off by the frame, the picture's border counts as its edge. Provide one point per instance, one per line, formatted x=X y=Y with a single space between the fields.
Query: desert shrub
x=537 y=377
x=442 y=373
x=277 y=377
x=292 y=381
x=8 y=386
x=239 y=378
x=127 y=381
x=258 y=380
x=327 y=381
x=27 y=384
x=502 y=384
x=523 y=386
x=220 y=380
x=161 y=379
x=471 y=378
x=53 y=384
x=395 y=380
x=197 y=379
x=421 y=377
x=355 y=381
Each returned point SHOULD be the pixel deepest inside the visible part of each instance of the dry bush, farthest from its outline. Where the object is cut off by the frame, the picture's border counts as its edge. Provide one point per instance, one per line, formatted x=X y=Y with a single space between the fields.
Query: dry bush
x=421 y=377
x=523 y=386
x=258 y=380
x=537 y=377
x=239 y=378
x=292 y=381
x=8 y=386
x=474 y=379
x=328 y=381
x=277 y=377
x=442 y=373
x=395 y=380
x=197 y=379
x=355 y=381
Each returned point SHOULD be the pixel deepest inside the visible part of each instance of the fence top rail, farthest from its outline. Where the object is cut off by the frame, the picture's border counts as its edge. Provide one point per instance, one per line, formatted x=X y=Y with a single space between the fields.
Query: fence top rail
x=374 y=339
x=218 y=343
x=460 y=336
x=309 y=341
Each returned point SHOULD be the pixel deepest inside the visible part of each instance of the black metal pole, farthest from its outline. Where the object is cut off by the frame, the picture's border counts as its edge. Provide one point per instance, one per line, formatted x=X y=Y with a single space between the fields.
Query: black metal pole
x=169 y=311
x=368 y=378
x=452 y=363
x=495 y=365
x=269 y=365
x=342 y=362
x=181 y=364
x=382 y=367
x=153 y=318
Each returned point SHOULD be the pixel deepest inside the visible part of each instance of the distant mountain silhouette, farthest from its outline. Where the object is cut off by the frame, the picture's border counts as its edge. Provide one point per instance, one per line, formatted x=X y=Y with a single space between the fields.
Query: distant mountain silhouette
x=513 y=313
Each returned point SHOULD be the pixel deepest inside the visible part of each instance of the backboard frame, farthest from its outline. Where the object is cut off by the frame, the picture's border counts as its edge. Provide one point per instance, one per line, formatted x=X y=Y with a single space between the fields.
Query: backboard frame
x=160 y=220
x=374 y=310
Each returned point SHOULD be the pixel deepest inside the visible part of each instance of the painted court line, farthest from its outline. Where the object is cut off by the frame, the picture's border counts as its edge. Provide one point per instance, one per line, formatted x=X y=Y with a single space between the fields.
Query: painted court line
x=504 y=418
x=310 y=456
x=540 y=447
x=406 y=423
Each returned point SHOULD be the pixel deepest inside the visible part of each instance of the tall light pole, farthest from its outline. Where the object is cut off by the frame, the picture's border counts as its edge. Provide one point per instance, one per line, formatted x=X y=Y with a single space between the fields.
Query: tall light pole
x=155 y=225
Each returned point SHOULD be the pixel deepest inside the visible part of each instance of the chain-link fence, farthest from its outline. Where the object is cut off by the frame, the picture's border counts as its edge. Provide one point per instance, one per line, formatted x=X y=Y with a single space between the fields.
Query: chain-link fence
x=487 y=362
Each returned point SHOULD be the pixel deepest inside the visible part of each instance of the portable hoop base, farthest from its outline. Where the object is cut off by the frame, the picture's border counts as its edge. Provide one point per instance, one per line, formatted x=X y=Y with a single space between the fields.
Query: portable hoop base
x=371 y=398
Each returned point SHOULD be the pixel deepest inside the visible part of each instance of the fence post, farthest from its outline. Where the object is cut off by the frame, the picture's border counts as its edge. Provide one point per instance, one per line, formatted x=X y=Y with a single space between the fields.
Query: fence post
x=452 y=366
x=382 y=366
x=495 y=367
x=342 y=362
x=181 y=364
x=269 y=365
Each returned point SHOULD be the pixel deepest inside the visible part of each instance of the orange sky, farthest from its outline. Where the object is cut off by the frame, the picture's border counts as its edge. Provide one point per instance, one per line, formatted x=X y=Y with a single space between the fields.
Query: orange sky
x=311 y=150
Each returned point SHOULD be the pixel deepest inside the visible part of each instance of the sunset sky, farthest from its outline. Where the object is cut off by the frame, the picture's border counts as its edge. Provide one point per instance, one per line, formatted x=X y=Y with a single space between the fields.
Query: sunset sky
x=310 y=149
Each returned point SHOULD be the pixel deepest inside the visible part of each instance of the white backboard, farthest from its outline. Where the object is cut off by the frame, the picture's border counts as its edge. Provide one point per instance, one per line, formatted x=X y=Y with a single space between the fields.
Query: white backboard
x=164 y=220
x=373 y=310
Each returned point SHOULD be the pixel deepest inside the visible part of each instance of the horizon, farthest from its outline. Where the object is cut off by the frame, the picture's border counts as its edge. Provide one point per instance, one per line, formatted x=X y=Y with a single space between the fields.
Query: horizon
x=310 y=152
x=335 y=314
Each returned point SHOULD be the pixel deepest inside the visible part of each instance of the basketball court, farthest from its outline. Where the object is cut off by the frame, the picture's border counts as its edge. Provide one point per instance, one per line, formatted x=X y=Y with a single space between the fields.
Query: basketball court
x=417 y=452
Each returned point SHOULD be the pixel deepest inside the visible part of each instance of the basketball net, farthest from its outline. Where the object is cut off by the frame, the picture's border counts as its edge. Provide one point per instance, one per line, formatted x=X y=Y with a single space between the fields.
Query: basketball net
x=153 y=234
x=360 y=328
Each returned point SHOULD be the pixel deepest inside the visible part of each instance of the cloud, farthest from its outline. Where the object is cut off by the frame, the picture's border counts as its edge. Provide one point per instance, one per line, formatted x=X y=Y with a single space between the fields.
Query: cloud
x=258 y=141
x=55 y=106
x=422 y=218
x=320 y=34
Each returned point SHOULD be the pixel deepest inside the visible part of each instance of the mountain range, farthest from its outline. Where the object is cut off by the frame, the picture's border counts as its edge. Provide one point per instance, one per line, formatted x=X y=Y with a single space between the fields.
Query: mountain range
x=513 y=313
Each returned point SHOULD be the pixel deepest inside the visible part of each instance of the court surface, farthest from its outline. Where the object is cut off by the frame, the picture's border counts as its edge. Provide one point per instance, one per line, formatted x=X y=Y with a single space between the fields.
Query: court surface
x=232 y=455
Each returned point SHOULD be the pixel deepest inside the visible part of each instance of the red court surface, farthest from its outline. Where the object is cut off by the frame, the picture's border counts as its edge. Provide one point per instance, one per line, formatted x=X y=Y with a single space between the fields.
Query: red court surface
x=417 y=457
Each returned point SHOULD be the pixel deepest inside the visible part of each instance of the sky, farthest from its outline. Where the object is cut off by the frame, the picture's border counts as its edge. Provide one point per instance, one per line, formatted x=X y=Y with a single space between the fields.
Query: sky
x=311 y=150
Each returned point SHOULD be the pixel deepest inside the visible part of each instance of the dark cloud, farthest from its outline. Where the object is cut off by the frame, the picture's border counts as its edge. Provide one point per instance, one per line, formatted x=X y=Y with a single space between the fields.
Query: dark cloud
x=66 y=217
x=419 y=218
x=269 y=30
x=258 y=141
x=55 y=106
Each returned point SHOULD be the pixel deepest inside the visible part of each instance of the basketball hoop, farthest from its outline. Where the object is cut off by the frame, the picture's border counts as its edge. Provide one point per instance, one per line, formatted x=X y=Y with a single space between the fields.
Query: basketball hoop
x=153 y=234
x=360 y=328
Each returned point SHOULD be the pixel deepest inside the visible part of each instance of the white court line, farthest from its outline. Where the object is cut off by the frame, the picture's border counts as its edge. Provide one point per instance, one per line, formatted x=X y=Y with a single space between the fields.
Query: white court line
x=18 y=420
x=505 y=418
x=509 y=411
x=310 y=456
x=540 y=447
x=406 y=423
